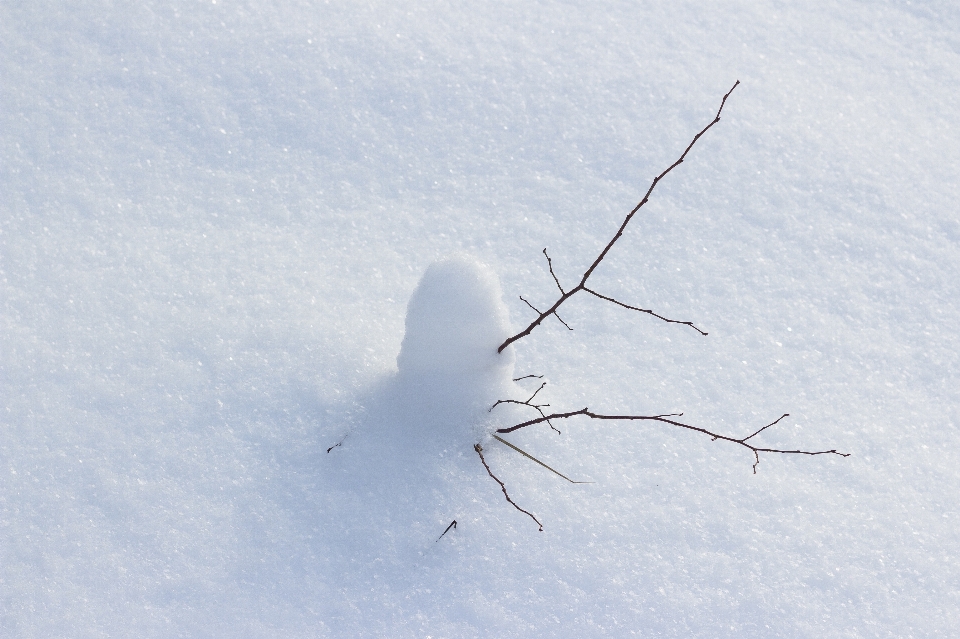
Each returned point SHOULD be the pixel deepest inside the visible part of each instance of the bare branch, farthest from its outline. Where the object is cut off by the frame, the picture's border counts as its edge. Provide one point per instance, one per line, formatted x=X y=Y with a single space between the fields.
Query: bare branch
x=529 y=402
x=479 y=449
x=773 y=423
x=586 y=275
x=643 y=310
x=664 y=419
x=526 y=402
x=340 y=443
x=535 y=394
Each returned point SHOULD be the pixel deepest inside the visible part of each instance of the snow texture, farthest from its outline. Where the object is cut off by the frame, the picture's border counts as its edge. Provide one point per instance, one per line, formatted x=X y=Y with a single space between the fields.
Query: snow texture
x=214 y=213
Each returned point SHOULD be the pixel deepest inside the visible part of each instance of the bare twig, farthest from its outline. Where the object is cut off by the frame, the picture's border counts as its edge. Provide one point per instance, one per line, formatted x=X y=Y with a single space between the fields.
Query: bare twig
x=643 y=310
x=529 y=402
x=773 y=423
x=453 y=524
x=586 y=275
x=479 y=449
x=586 y=412
x=517 y=379
x=340 y=443
x=538 y=311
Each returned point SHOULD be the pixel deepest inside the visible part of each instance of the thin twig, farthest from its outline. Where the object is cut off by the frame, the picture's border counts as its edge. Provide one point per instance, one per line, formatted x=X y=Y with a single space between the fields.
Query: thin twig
x=515 y=401
x=453 y=524
x=773 y=423
x=550 y=266
x=586 y=412
x=529 y=402
x=538 y=311
x=643 y=310
x=479 y=449
x=586 y=275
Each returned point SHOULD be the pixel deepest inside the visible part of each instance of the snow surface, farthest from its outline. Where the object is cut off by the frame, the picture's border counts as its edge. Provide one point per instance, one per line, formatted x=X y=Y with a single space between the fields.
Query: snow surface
x=449 y=373
x=213 y=215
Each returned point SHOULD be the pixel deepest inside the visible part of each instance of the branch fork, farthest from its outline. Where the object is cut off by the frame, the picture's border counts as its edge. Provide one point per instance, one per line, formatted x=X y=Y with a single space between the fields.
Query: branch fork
x=582 y=285
x=668 y=418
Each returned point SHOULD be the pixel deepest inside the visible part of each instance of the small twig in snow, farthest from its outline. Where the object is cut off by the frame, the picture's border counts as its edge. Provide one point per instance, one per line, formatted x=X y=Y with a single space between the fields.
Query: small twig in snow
x=479 y=449
x=339 y=443
x=538 y=407
x=517 y=379
x=453 y=524
x=644 y=310
x=550 y=266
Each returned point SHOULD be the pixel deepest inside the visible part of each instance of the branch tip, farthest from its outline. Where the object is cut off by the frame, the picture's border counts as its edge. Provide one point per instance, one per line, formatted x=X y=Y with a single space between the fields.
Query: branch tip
x=479 y=449
x=453 y=524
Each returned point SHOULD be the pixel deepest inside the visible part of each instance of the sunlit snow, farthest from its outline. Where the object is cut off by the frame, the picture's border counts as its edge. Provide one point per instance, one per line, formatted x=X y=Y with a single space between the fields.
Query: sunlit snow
x=222 y=222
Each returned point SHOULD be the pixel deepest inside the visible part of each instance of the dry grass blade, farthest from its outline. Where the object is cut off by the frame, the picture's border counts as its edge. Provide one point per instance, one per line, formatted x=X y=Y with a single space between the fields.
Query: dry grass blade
x=529 y=456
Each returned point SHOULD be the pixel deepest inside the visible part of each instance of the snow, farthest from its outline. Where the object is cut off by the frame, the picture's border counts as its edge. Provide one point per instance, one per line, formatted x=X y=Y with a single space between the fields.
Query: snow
x=449 y=370
x=213 y=217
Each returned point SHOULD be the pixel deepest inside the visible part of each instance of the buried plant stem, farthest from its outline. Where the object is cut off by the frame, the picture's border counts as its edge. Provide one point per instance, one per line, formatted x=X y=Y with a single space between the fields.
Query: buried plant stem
x=565 y=295
x=517 y=379
x=339 y=443
x=453 y=524
x=479 y=449
x=586 y=412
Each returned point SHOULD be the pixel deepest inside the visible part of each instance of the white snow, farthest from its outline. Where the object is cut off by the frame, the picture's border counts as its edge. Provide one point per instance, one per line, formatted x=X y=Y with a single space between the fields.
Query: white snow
x=450 y=372
x=214 y=215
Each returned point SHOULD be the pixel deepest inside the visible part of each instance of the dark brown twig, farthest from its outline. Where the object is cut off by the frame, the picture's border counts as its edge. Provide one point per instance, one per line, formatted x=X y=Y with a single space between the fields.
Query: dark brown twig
x=453 y=524
x=479 y=449
x=539 y=407
x=550 y=266
x=586 y=275
x=538 y=311
x=586 y=412
x=643 y=310
x=517 y=379
x=340 y=443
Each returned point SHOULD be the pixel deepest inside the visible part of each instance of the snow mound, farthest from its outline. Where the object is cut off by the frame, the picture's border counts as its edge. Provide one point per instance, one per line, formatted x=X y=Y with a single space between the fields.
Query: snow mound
x=450 y=372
